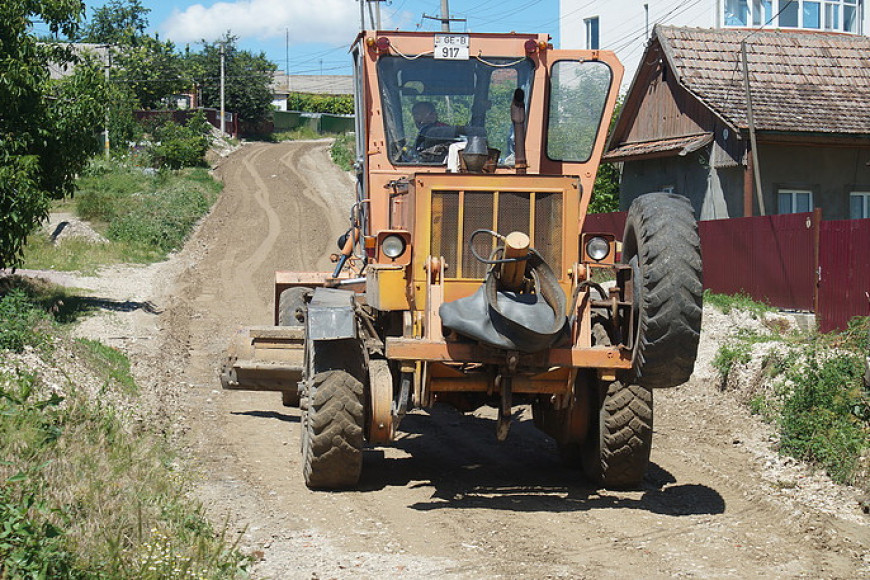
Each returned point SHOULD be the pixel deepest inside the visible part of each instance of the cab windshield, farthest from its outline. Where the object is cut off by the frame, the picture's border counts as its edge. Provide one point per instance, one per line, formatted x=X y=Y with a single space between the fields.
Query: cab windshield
x=430 y=104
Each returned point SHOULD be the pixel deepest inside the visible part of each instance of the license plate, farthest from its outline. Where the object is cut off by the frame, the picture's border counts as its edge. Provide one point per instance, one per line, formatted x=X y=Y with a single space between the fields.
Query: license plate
x=451 y=46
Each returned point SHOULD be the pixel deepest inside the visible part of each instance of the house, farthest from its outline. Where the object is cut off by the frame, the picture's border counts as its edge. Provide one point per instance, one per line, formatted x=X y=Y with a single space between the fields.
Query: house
x=684 y=126
x=284 y=84
x=625 y=26
x=80 y=50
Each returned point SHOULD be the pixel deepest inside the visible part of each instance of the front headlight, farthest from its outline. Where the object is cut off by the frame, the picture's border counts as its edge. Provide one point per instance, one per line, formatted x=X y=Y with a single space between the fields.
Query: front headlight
x=393 y=246
x=597 y=248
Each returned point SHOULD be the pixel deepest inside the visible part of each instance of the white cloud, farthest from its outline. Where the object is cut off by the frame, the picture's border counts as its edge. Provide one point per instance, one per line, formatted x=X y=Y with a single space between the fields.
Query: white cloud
x=330 y=21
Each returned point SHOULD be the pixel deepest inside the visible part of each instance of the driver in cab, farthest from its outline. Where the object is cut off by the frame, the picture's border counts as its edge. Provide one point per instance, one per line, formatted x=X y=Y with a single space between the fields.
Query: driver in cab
x=430 y=129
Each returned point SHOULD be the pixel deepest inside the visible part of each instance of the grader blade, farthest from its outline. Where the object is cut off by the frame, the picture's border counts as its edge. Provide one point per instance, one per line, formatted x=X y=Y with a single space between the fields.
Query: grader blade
x=265 y=358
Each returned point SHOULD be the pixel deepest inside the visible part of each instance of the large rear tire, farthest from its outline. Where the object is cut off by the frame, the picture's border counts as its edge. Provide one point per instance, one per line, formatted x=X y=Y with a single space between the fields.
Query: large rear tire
x=617 y=448
x=661 y=244
x=332 y=438
x=291 y=312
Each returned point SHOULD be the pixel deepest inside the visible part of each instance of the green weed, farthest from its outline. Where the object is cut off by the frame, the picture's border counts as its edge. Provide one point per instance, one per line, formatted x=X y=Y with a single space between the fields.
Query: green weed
x=343 y=151
x=728 y=302
x=730 y=354
x=825 y=418
x=21 y=322
x=84 y=496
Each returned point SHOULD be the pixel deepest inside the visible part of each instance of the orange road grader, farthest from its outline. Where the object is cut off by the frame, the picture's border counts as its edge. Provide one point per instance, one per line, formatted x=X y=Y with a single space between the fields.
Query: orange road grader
x=464 y=277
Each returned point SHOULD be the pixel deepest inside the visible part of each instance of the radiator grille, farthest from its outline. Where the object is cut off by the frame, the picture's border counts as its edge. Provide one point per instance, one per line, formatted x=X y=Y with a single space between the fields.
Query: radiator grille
x=456 y=214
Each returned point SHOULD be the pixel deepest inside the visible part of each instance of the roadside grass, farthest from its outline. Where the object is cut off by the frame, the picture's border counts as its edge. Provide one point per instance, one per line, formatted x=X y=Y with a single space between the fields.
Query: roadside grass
x=144 y=215
x=343 y=151
x=298 y=134
x=813 y=393
x=728 y=302
x=85 y=491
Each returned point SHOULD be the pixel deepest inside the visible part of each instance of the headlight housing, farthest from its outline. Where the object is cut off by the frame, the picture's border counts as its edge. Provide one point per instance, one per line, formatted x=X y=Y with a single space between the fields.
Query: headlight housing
x=393 y=246
x=597 y=248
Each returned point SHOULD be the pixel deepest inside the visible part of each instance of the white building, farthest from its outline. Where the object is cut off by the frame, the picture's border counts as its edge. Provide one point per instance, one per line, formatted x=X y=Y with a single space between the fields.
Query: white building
x=624 y=26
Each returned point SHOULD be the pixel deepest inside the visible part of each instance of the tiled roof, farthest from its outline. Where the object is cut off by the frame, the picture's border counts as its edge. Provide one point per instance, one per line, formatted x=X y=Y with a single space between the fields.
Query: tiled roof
x=646 y=148
x=799 y=81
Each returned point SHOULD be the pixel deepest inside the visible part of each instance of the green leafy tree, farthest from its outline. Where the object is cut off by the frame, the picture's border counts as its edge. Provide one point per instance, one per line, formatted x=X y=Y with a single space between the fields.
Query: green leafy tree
x=151 y=69
x=47 y=128
x=247 y=89
x=117 y=22
x=147 y=66
x=605 y=193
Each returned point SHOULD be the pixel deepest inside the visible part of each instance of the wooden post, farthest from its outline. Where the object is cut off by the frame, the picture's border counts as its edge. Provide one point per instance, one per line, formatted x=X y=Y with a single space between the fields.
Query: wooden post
x=516 y=245
x=748 y=185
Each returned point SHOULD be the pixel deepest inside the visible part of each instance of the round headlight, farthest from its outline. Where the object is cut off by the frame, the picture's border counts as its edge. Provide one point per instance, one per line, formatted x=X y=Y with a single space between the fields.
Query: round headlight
x=393 y=246
x=597 y=248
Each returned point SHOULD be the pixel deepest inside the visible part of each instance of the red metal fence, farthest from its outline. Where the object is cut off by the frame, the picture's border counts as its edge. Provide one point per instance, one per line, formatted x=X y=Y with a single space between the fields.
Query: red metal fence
x=844 y=273
x=770 y=258
x=793 y=261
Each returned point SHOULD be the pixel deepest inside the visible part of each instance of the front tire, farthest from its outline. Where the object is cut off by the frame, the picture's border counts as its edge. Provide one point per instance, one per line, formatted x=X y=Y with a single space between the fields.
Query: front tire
x=617 y=449
x=662 y=246
x=332 y=439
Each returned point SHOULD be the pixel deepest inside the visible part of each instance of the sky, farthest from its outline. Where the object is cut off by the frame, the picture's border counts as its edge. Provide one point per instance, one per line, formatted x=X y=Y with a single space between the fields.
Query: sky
x=320 y=31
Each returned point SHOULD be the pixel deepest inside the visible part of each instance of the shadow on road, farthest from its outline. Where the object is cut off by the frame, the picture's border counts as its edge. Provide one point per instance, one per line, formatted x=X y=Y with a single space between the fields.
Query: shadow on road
x=269 y=415
x=459 y=457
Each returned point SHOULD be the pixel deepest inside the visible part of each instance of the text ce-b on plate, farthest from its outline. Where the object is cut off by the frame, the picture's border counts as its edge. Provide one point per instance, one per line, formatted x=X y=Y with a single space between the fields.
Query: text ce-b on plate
x=451 y=46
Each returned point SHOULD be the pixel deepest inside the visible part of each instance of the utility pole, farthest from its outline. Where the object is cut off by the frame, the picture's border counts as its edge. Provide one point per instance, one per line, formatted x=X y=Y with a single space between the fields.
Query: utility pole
x=749 y=117
x=223 y=75
x=107 y=64
x=445 y=17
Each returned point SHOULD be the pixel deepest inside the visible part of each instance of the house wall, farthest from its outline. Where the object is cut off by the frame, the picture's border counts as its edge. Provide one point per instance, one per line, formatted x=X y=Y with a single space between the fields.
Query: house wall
x=716 y=193
x=829 y=172
x=687 y=176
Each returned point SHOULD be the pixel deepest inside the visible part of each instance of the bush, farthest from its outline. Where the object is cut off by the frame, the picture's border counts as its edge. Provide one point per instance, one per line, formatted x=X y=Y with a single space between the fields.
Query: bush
x=333 y=104
x=342 y=151
x=825 y=418
x=178 y=146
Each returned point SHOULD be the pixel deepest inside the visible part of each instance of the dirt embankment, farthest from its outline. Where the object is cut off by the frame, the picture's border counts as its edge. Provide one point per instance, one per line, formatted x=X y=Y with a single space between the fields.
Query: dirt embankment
x=446 y=500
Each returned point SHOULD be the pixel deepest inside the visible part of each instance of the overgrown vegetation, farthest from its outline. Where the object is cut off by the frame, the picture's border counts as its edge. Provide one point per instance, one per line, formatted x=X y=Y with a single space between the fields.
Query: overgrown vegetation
x=177 y=146
x=144 y=215
x=343 y=151
x=84 y=494
x=812 y=391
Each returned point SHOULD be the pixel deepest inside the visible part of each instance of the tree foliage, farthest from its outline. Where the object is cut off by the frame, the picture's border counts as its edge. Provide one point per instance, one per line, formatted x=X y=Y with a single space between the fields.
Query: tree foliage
x=46 y=127
x=120 y=22
x=332 y=104
x=150 y=69
x=248 y=78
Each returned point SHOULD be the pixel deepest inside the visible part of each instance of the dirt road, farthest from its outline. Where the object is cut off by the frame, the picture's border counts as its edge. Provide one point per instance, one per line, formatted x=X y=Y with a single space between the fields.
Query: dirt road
x=447 y=500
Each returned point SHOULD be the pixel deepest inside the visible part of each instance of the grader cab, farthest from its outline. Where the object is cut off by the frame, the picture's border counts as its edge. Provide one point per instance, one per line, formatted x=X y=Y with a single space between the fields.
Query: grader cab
x=464 y=278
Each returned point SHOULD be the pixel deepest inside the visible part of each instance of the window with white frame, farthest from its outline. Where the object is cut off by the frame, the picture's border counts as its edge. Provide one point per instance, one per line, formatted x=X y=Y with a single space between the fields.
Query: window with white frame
x=859 y=205
x=836 y=15
x=591 y=33
x=794 y=200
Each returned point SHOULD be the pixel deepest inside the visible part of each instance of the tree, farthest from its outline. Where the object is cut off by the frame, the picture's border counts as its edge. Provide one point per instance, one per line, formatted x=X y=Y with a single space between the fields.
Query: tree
x=150 y=68
x=118 y=22
x=248 y=79
x=47 y=128
x=605 y=193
